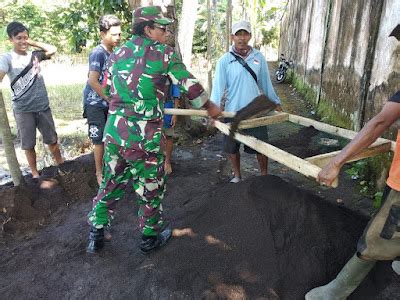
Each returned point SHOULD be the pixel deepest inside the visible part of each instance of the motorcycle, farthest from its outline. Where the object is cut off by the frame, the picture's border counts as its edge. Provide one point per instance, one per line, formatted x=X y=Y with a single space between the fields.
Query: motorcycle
x=284 y=65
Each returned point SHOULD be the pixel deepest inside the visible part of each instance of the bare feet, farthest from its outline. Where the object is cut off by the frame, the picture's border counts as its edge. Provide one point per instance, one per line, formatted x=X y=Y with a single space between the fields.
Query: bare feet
x=167 y=167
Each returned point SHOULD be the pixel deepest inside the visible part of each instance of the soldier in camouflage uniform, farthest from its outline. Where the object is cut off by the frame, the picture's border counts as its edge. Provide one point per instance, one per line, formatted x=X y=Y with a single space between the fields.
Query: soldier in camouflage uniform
x=136 y=83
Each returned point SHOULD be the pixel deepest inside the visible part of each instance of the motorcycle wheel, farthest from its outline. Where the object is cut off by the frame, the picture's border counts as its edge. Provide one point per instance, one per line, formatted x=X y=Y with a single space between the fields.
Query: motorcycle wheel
x=280 y=77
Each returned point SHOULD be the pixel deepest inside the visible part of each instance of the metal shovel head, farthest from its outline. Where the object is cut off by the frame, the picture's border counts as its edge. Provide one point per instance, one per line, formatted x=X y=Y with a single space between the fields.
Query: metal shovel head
x=259 y=105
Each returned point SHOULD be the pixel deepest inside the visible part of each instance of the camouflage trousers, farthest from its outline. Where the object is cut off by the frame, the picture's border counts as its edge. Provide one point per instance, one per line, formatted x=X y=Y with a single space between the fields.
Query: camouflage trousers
x=381 y=237
x=146 y=169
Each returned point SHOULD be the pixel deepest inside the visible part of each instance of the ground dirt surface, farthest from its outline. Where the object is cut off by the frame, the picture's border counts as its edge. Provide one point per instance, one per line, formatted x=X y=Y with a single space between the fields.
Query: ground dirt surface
x=267 y=237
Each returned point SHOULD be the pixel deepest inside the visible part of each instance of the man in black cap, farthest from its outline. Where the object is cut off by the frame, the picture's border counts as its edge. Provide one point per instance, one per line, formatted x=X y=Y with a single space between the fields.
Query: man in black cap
x=381 y=237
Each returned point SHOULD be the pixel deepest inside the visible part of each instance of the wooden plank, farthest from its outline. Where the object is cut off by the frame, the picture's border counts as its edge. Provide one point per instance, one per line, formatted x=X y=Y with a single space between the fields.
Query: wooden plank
x=323 y=159
x=273 y=118
x=349 y=134
x=291 y=161
x=263 y=121
x=194 y=112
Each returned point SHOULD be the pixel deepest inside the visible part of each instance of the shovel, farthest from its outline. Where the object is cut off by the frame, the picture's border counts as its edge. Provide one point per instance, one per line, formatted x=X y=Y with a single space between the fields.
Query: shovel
x=259 y=105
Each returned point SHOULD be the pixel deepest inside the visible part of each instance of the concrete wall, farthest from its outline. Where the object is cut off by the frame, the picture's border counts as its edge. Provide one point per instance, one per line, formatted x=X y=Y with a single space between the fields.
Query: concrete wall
x=342 y=50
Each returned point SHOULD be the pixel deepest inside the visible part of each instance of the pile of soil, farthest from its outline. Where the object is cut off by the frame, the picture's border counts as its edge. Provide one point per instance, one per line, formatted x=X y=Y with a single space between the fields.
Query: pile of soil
x=262 y=238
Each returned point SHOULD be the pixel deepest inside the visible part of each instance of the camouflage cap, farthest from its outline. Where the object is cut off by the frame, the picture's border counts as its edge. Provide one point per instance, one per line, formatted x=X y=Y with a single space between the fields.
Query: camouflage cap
x=150 y=13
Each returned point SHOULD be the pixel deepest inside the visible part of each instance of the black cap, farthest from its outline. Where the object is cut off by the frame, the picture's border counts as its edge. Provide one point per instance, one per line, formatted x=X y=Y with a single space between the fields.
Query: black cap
x=396 y=32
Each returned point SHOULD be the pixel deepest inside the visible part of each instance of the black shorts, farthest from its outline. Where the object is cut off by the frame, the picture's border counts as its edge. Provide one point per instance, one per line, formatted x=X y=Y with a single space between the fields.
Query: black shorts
x=97 y=117
x=230 y=147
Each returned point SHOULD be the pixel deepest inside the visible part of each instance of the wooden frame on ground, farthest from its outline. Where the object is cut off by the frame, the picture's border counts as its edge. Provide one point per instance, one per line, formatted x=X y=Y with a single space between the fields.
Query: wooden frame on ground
x=310 y=166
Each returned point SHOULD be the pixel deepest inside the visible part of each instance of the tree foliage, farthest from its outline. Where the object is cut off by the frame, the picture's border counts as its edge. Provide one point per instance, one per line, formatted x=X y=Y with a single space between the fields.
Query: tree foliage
x=267 y=20
x=218 y=28
x=68 y=27
x=74 y=24
x=81 y=20
x=37 y=20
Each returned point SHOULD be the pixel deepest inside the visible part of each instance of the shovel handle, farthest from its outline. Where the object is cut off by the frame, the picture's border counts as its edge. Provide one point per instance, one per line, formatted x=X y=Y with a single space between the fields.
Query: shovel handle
x=194 y=112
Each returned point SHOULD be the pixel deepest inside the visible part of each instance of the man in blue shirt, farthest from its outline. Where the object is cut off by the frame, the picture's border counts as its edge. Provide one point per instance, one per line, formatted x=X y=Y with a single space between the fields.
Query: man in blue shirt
x=240 y=87
x=94 y=100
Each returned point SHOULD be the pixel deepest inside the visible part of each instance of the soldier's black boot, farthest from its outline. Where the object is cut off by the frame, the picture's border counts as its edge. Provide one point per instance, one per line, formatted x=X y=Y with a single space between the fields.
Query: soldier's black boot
x=151 y=243
x=96 y=240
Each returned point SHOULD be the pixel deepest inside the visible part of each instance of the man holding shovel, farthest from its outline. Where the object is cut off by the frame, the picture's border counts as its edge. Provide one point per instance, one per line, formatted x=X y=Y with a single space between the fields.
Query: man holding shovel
x=136 y=85
x=242 y=74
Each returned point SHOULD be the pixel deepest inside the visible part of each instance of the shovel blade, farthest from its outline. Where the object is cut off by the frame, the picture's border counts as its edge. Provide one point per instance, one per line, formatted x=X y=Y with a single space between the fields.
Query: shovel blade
x=259 y=105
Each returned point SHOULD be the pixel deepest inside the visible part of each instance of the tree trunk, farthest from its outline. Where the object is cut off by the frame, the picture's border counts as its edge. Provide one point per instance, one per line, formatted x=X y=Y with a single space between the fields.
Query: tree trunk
x=228 y=24
x=186 y=29
x=209 y=36
x=9 y=149
x=133 y=4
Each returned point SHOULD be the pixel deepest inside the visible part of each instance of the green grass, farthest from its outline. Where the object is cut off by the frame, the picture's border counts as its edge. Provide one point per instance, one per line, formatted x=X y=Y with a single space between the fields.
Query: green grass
x=303 y=88
x=65 y=101
x=331 y=116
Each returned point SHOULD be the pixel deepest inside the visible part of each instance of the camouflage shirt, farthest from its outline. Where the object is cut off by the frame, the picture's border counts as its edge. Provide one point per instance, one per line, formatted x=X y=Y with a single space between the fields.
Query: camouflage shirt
x=136 y=82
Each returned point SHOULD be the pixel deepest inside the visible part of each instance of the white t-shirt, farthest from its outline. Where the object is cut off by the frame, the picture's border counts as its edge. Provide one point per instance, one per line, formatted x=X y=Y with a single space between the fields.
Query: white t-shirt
x=29 y=92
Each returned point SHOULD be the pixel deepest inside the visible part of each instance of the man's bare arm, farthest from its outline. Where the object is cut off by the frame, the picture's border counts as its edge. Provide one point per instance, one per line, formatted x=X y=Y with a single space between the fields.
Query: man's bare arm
x=49 y=50
x=370 y=132
x=95 y=85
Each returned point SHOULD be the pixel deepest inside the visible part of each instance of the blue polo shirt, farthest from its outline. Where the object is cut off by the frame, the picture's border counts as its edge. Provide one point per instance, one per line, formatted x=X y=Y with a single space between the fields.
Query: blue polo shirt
x=240 y=85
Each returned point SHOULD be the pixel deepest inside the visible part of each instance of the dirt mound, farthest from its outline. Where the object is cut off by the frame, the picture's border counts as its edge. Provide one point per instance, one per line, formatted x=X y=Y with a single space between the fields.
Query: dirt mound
x=262 y=238
x=307 y=141
x=265 y=238
x=29 y=207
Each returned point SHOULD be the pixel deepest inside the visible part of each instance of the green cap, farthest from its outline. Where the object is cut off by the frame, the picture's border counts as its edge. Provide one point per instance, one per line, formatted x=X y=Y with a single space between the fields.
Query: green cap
x=150 y=13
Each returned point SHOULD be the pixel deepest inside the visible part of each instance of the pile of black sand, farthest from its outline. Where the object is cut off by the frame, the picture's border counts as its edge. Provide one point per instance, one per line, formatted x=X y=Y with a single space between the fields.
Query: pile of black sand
x=260 y=239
